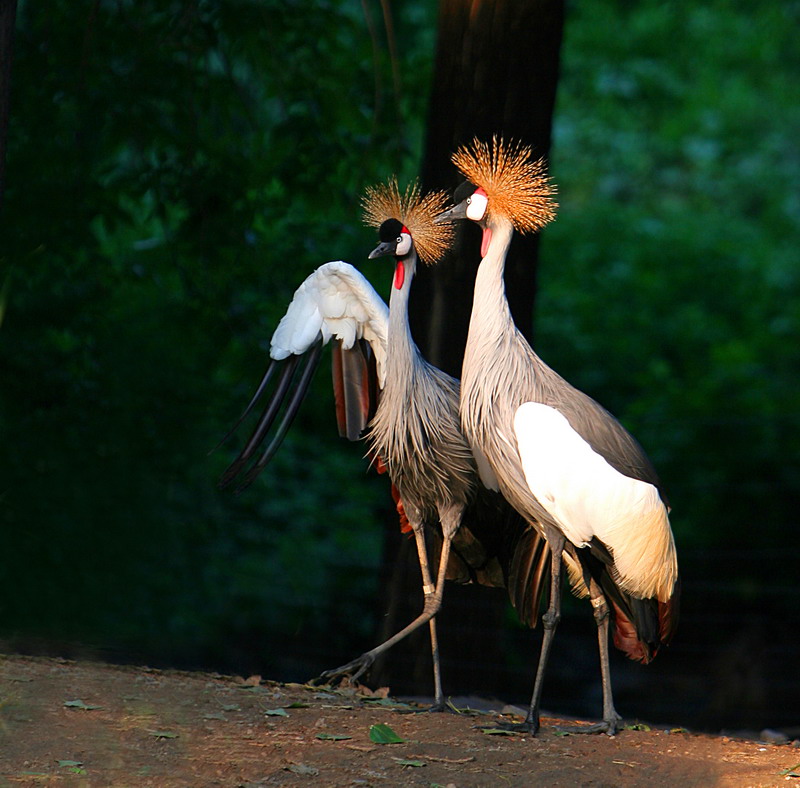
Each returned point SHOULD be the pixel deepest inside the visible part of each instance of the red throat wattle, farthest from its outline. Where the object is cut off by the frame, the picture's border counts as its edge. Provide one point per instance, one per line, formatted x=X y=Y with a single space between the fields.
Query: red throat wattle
x=485 y=240
x=399 y=274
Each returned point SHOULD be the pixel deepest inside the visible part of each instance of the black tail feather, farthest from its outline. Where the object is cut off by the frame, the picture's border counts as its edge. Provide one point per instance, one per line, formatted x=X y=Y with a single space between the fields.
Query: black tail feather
x=246 y=412
x=284 y=394
x=292 y=407
x=264 y=423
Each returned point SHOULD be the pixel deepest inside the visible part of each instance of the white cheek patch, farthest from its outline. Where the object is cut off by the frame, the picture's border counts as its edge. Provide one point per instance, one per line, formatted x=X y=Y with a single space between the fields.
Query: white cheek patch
x=477 y=207
x=404 y=245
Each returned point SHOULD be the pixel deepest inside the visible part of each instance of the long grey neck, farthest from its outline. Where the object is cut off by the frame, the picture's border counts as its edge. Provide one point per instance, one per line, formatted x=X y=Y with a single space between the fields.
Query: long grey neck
x=402 y=351
x=491 y=314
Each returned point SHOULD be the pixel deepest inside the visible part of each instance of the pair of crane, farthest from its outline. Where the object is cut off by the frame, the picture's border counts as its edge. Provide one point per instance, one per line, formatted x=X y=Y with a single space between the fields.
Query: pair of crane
x=521 y=471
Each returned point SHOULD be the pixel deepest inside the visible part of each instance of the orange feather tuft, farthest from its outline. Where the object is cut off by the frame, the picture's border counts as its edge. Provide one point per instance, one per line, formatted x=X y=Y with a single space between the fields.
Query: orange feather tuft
x=415 y=212
x=516 y=185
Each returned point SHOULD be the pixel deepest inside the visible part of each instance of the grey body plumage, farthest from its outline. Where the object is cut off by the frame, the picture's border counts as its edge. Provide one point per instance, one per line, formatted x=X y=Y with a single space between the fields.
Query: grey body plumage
x=501 y=371
x=416 y=429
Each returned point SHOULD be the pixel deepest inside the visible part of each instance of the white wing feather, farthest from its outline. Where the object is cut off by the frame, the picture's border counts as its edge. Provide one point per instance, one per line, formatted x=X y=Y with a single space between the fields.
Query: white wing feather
x=587 y=497
x=339 y=302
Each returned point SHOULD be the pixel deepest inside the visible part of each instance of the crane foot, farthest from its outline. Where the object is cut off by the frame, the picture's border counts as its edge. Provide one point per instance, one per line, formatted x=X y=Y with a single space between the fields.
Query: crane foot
x=608 y=726
x=528 y=727
x=352 y=671
x=438 y=707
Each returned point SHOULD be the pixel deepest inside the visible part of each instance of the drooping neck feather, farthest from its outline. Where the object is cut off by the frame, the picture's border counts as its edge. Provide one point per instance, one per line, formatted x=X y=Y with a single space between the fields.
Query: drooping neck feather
x=402 y=352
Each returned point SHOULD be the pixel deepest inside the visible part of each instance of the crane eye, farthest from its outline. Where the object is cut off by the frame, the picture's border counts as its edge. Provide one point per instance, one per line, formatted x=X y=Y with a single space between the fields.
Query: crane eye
x=399 y=239
x=469 y=200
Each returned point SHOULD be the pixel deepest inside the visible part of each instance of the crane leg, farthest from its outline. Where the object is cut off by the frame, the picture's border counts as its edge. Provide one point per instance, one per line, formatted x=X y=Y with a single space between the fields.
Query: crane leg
x=610 y=716
x=433 y=602
x=550 y=619
x=429 y=589
x=549 y=623
x=602 y=617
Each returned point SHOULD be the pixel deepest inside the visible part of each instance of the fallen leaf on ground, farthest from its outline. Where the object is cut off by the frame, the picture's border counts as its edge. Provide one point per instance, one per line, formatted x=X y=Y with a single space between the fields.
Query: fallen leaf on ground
x=164 y=734
x=406 y=762
x=381 y=733
x=79 y=704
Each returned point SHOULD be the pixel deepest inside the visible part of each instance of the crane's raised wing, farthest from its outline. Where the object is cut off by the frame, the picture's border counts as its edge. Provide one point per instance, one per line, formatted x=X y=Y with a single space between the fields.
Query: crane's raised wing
x=334 y=302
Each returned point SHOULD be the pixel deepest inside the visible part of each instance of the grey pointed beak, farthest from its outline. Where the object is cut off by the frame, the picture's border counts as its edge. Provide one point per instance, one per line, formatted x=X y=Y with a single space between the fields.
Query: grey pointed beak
x=382 y=249
x=452 y=214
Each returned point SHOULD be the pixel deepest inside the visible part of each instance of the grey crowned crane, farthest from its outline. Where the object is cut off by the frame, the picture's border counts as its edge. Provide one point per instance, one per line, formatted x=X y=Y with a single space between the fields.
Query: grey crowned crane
x=410 y=411
x=564 y=462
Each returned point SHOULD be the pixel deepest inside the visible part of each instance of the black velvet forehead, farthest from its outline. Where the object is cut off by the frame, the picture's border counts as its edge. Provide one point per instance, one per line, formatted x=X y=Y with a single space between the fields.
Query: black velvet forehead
x=466 y=189
x=390 y=230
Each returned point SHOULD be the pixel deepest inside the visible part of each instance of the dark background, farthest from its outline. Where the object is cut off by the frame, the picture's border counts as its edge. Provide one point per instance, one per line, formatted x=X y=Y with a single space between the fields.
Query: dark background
x=174 y=170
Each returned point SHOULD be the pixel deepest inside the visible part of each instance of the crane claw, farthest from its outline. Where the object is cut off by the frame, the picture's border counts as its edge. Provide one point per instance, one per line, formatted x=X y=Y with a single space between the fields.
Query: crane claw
x=350 y=672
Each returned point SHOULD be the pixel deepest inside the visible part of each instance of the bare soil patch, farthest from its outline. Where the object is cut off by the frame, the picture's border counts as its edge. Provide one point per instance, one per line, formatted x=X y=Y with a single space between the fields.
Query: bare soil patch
x=90 y=724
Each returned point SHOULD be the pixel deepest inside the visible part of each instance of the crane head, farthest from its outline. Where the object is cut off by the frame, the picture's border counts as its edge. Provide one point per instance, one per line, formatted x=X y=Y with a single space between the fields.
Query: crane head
x=515 y=186
x=470 y=203
x=401 y=216
x=395 y=239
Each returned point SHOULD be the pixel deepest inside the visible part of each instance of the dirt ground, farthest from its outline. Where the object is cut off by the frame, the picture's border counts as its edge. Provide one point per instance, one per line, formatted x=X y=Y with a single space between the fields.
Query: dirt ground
x=89 y=724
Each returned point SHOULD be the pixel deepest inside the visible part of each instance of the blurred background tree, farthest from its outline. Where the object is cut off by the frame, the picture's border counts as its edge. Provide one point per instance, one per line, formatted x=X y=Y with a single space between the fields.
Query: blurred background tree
x=174 y=170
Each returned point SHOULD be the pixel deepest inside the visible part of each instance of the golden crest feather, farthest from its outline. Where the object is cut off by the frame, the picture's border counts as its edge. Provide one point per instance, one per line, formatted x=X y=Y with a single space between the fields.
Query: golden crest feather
x=517 y=185
x=416 y=212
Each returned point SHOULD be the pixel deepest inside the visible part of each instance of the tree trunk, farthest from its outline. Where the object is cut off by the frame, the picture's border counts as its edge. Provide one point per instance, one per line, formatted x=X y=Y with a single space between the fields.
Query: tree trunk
x=496 y=73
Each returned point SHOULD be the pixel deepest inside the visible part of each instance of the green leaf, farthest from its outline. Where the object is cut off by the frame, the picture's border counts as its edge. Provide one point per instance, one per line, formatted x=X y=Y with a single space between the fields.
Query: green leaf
x=405 y=762
x=276 y=713
x=388 y=702
x=497 y=732
x=164 y=734
x=79 y=704
x=333 y=736
x=792 y=771
x=637 y=726
x=298 y=704
x=383 y=734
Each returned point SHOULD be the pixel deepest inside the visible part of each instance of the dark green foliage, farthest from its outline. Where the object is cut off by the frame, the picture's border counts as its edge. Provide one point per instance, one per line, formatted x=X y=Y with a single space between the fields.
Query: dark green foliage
x=174 y=171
